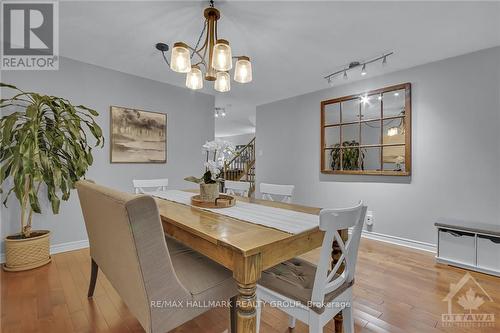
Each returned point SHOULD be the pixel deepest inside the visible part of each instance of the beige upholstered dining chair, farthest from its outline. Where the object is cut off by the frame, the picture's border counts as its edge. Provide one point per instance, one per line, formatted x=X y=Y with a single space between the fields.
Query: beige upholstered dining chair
x=127 y=243
x=315 y=294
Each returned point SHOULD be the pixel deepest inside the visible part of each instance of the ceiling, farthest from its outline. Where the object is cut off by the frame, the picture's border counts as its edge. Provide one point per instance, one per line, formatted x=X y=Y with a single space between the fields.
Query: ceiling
x=292 y=44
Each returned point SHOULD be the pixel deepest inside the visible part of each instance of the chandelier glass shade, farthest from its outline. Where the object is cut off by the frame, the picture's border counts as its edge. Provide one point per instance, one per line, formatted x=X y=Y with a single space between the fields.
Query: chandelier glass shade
x=180 y=61
x=222 y=59
x=194 y=79
x=243 y=70
x=211 y=57
x=222 y=82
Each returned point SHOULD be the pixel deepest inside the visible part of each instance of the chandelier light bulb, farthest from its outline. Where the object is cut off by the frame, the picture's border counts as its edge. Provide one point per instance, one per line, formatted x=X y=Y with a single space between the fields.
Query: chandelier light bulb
x=223 y=113
x=363 y=70
x=222 y=58
x=222 y=82
x=243 y=70
x=194 y=79
x=216 y=114
x=180 y=60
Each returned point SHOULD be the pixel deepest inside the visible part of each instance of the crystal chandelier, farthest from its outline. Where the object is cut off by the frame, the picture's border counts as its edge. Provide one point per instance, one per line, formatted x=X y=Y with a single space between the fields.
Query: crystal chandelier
x=214 y=56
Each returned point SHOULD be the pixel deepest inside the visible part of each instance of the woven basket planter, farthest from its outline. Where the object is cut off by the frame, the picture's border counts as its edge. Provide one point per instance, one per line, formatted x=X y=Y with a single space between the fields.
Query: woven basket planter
x=23 y=254
x=209 y=192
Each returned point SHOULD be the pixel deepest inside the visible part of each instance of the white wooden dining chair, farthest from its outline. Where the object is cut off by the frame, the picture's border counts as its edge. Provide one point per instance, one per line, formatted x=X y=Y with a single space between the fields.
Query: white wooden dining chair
x=141 y=185
x=237 y=188
x=315 y=294
x=274 y=191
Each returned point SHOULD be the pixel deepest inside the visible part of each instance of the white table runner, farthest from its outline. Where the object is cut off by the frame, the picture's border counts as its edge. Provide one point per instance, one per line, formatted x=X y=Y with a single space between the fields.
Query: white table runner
x=283 y=219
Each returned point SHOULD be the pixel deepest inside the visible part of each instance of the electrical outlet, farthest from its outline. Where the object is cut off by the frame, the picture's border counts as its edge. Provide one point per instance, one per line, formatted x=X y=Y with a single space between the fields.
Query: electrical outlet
x=369 y=218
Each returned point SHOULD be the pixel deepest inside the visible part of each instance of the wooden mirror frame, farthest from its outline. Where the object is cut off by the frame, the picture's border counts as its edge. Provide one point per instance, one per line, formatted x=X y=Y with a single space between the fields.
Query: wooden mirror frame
x=407 y=135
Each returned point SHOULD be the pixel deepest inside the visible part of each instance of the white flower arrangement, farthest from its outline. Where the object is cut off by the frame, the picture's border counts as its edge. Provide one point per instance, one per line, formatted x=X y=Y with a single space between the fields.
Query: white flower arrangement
x=217 y=153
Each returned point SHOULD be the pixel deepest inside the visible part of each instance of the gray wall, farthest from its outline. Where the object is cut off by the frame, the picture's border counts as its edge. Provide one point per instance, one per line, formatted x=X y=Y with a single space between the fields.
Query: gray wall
x=190 y=123
x=456 y=150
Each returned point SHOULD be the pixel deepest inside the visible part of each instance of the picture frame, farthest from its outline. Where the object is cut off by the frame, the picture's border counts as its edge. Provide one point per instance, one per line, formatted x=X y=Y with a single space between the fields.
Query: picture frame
x=137 y=136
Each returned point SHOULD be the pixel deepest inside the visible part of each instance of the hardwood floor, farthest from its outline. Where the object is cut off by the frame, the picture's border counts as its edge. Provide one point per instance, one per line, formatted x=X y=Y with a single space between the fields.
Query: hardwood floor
x=397 y=290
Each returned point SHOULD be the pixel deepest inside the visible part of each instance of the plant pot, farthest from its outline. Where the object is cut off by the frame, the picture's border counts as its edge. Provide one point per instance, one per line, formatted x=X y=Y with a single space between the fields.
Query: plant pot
x=209 y=192
x=27 y=253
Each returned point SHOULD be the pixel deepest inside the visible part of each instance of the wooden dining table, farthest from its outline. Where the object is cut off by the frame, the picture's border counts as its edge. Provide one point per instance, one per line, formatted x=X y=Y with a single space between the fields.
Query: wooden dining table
x=244 y=248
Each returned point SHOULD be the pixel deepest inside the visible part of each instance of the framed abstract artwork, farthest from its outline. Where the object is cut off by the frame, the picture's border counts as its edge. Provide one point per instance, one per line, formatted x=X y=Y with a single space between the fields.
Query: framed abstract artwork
x=138 y=136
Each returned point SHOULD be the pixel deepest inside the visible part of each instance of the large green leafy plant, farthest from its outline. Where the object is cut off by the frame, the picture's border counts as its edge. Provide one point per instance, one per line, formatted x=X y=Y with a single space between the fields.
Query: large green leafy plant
x=352 y=158
x=44 y=142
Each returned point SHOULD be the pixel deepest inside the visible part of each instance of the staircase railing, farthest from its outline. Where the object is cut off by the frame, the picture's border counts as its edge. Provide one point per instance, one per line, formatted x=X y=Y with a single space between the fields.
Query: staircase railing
x=241 y=166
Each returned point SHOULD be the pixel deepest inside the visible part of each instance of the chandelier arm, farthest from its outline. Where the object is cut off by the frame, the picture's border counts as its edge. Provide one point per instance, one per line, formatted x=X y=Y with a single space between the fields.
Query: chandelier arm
x=216 y=35
x=194 y=51
x=205 y=53
x=204 y=46
x=199 y=38
x=165 y=58
x=201 y=63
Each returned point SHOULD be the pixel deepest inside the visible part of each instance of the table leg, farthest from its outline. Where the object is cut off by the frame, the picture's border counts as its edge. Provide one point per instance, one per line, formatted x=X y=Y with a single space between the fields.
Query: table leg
x=246 y=272
x=336 y=253
x=246 y=315
x=233 y=314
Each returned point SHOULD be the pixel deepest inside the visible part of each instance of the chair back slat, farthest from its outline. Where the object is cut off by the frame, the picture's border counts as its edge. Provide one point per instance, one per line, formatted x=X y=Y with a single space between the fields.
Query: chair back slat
x=143 y=185
x=272 y=191
x=237 y=188
x=332 y=221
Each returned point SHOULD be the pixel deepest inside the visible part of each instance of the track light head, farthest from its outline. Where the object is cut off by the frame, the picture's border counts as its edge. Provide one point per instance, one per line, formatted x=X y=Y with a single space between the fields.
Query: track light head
x=363 y=70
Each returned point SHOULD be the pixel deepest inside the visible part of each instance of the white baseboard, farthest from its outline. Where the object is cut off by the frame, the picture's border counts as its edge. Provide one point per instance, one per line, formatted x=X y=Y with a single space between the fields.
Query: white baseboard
x=418 y=245
x=70 y=246
x=58 y=248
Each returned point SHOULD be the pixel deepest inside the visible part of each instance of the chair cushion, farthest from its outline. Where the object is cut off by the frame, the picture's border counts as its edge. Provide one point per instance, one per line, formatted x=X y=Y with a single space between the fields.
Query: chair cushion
x=198 y=273
x=295 y=279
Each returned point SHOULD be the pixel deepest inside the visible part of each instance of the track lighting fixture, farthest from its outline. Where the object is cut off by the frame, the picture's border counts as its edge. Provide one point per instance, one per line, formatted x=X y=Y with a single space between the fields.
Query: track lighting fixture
x=220 y=112
x=355 y=64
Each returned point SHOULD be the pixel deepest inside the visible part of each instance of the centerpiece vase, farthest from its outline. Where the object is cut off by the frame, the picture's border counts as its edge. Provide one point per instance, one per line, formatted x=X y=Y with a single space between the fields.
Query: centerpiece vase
x=209 y=192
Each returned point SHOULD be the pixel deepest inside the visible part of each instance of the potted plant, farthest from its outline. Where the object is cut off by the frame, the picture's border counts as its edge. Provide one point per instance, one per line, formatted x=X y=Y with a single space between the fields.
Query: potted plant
x=216 y=153
x=43 y=147
x=353 y=158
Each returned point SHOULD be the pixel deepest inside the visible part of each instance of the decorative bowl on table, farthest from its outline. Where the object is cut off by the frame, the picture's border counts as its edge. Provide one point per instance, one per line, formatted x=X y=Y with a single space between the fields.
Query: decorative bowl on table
x=222 y=201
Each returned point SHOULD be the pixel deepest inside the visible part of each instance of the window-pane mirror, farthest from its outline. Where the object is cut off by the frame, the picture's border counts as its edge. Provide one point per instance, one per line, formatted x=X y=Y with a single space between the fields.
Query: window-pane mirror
x=332 y=114
x=332 y=136
x=350 y=111
x=368 y=133
x=371 y=107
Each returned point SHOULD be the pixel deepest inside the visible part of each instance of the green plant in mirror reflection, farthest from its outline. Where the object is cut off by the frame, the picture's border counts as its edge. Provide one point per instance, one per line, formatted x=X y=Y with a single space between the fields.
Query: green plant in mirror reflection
x=352 y=158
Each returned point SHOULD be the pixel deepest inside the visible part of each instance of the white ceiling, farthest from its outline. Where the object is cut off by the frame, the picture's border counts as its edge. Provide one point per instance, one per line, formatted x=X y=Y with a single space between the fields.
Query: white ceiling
x=292 y=44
